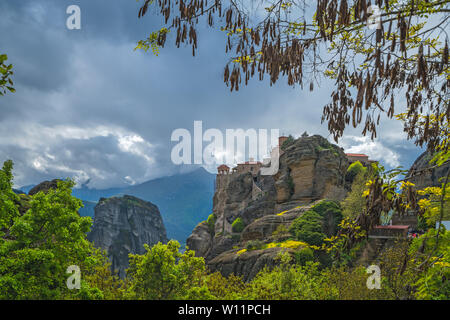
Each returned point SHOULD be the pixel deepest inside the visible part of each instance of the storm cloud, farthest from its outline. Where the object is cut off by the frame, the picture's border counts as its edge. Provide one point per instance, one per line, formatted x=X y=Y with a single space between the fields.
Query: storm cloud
x=88 y=106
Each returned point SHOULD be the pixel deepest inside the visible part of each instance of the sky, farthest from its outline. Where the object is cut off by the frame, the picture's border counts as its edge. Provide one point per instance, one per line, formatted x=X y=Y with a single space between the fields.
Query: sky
x=89 y=107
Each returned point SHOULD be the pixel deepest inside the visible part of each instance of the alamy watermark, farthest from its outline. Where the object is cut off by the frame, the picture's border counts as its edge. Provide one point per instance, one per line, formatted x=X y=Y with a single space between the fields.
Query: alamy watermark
x=73 y=22
x=375 y=13
x=74 y=280
x=229 y=148
x=374 y=280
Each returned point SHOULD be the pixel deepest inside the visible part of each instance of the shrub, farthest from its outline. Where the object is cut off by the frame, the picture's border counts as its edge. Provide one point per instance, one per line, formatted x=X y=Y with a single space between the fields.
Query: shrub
x=308 y=228
x=254 y=245
x=280 y=232
x=354 y=169
x=237 y=225
x=303 y=256
x=331 y=213
x=321 y=221
x=211 y=221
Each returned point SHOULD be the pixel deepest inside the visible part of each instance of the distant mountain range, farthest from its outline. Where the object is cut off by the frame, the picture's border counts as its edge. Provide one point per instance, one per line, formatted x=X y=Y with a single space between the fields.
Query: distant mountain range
x=184 y=200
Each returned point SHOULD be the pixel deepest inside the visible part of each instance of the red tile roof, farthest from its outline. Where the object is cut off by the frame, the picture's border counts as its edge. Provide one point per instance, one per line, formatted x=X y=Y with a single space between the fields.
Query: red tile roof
x=392 y=227
x=356 y=154
x=223 y=167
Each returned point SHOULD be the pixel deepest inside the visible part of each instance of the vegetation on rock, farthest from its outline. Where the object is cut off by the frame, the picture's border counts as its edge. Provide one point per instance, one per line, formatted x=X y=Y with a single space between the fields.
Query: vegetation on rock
x=238 y=225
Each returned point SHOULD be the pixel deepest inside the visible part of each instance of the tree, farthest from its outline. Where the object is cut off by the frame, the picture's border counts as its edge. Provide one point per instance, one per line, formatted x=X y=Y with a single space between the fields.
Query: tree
x=38 y=246
x=355 y=203
x=8 y=199
x=225 y=288
x=105 y=280
x=354 y=169
x=164 y=273
x=405 y=53
x=6 y=84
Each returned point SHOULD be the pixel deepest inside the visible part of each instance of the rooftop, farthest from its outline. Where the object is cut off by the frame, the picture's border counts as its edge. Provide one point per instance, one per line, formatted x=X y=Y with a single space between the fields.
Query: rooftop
x=396 y=227
x=356 y=155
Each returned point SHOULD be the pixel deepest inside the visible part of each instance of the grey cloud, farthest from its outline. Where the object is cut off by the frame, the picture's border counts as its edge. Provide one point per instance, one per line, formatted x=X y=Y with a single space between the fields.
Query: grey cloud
x=92 y=78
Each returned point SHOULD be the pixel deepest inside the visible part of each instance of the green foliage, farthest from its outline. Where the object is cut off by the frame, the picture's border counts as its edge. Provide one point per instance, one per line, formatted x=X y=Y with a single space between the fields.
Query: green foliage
x=355 y=169
x=237 y=225
x=37 y=247
x=155 y=41
x=354 y=203
x=308 y=228
x=254 y=245
x=331 y=214
x=6 y=84
x=286 y=282
x=165 y=273
x=433 y=282
x=108 y=283
x=225 y=288
x=303 y=256
x=8 y=199
x=280 y=232
x=316 y=224
x=211 y=221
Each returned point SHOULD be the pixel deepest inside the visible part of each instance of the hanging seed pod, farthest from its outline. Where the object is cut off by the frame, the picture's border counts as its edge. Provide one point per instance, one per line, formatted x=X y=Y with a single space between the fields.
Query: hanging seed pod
x=445 y=54
x=403 y=32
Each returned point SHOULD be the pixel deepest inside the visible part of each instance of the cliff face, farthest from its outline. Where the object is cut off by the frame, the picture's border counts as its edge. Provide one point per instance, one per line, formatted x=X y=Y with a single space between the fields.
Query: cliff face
x=123 y=225
x=311 y=168
x=426 y=178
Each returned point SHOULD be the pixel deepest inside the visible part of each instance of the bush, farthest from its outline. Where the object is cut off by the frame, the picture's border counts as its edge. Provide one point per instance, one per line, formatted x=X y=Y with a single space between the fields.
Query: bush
x=331 y=214
x=354 y=169
x=280 y=232
x=211 y=221
x=303 y=256
x=321 y=221
x=312 y=238
x=237 y=225
x=308 y=228
x=254 y=245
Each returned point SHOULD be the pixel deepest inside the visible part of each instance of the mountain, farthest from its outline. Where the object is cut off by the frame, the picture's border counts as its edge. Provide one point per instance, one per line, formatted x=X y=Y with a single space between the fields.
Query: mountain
x=183 y=199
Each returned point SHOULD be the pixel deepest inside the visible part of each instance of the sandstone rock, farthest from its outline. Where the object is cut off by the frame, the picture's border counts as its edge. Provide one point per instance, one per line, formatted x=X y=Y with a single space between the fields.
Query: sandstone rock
x=311 y=168
x=200 y=239
x=246 y=264
x=123 y=225
x=263 y=228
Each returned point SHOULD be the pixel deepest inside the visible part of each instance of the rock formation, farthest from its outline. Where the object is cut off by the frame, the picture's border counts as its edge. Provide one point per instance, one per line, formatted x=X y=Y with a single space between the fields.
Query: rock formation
x=310 y=169
x=44 y=186
x=123 y=225
x=422 y=177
